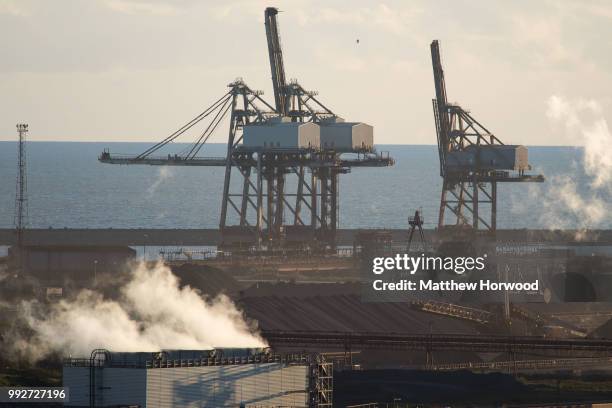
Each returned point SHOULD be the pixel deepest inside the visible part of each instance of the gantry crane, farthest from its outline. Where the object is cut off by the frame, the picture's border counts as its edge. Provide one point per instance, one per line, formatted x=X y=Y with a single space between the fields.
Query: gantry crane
x=261 y=203
x=472 y=161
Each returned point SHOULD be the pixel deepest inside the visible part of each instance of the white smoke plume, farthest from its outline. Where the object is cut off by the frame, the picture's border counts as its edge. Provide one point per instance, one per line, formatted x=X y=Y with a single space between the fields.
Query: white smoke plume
x=153 y=313
x=164 y=174
x=564 y=206
x=584 y=119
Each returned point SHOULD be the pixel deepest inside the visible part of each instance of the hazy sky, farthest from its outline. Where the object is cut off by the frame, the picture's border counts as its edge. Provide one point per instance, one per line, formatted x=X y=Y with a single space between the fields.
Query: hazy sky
x=131 y=70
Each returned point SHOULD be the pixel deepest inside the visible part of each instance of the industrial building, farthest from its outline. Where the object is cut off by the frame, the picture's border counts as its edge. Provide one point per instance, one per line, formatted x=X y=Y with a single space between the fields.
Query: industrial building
x=198 y=378
x=54 y=264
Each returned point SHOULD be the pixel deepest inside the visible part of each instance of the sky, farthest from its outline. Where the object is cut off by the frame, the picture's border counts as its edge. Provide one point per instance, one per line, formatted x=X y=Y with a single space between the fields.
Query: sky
x=136 y=70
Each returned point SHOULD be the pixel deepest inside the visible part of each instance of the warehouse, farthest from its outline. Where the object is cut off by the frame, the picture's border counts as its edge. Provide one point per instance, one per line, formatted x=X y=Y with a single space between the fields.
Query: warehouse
x=198 y=378
x=53 y=264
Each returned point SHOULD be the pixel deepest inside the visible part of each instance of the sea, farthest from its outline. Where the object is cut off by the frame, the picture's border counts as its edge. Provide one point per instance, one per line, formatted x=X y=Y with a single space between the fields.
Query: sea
x=67 y=187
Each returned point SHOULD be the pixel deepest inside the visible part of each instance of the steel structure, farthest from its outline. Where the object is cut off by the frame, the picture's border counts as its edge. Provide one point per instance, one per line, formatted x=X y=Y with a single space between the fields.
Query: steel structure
x=468 y=188
x=575 y=347
x=454 y=310
x=257 y=208
x=264 y=378
x=416 y=222
x=21 y=199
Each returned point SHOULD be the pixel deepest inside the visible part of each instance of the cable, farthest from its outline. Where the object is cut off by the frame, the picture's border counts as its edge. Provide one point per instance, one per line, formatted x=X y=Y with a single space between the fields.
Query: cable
x=197 y=145
x=185 y=127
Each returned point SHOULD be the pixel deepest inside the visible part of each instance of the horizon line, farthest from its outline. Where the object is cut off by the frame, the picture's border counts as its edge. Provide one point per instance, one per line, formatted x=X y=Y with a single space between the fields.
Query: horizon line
x=223 y=143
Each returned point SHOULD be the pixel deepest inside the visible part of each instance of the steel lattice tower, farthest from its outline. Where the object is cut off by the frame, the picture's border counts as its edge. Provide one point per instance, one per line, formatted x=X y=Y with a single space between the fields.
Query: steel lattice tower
x=21 y=199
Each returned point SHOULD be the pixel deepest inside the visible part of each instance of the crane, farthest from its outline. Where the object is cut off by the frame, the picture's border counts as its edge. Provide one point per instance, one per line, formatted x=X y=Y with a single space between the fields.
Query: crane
x=472 y=161
x=255 y=214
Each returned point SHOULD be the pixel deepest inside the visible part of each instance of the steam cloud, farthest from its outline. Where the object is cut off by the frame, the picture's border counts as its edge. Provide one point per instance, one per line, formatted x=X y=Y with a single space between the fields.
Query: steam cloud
x=584 y=120
x=153 y=313
x=165 y=173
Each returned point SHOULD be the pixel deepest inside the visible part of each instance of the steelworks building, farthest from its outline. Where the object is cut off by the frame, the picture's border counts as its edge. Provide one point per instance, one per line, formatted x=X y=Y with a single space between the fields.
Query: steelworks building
x=210 y=379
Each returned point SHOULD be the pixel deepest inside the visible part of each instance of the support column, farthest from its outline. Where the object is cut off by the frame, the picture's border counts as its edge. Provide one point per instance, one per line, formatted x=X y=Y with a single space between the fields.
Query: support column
x=324 y=199
x=245 y=196
x=475 y=202
x=313 y=201
x=461 y=203
x=494 y=205
x=280 y=204
x=299 y=196
x=333 y=207
x=259 y=200
x=228 y=167
x=270 y=201
x=442 y=205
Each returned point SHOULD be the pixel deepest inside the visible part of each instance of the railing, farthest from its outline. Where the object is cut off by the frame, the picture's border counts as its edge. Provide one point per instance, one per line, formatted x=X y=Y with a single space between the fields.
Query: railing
x=371 y=160
x=297 y=358
x=170 y=157
x=522 y=364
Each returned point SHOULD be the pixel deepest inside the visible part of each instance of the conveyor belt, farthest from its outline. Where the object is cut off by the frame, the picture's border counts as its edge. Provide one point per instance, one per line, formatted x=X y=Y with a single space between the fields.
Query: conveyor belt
x=440 y=342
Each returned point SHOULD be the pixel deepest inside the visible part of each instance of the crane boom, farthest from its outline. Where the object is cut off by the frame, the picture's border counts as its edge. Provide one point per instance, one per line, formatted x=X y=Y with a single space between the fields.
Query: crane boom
x=438 y=74
x=276 y=60
x=439 y=104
